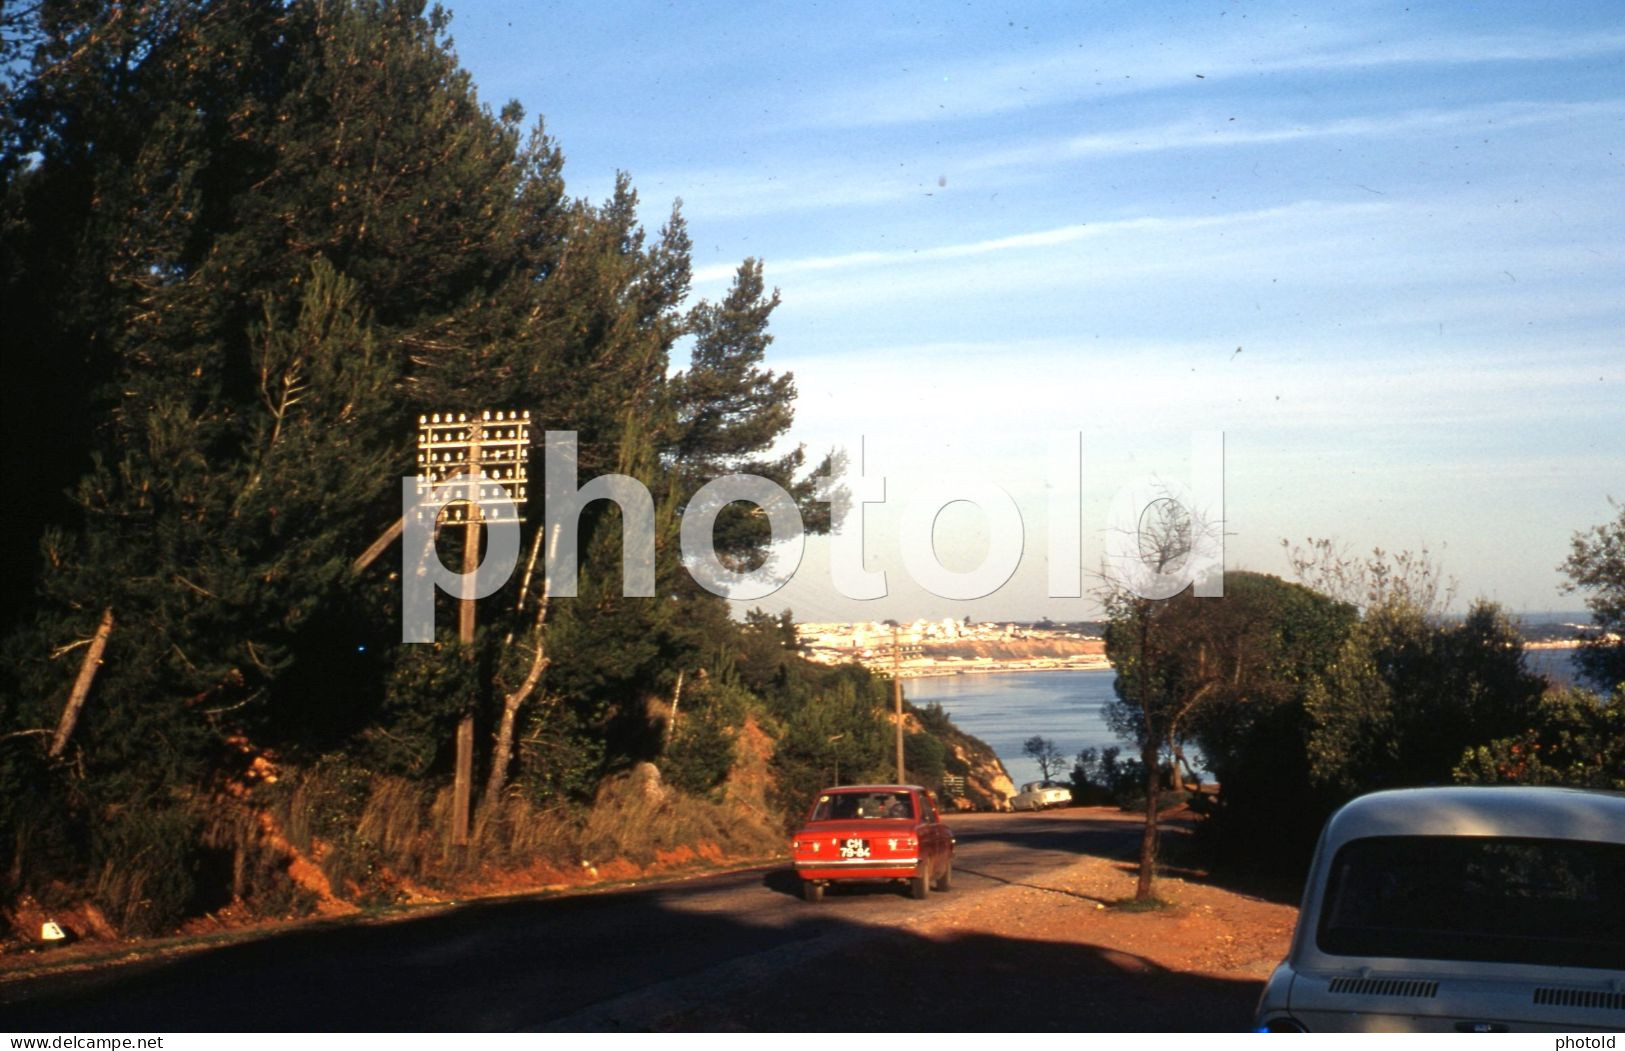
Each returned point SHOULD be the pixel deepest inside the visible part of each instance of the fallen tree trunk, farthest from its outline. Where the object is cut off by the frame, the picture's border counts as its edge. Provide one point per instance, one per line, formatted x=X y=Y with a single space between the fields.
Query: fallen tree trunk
x=81 y=685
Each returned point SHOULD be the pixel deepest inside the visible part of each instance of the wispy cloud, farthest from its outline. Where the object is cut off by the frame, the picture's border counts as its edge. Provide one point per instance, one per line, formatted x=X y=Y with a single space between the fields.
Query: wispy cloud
x=797 y=186
x=1056 y=237
x=1196 y=134
x=1423 y=260
x=1123 y=65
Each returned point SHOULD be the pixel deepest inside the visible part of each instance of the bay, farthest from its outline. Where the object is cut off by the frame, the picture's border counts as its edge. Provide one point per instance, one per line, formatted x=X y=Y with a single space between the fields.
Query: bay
x=1557 y=665
x=1006 y=708
x=1068 y=707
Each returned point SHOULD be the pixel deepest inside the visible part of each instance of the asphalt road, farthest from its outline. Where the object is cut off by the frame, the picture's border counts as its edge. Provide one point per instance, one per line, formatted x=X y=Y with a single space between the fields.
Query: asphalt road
x=674 y=954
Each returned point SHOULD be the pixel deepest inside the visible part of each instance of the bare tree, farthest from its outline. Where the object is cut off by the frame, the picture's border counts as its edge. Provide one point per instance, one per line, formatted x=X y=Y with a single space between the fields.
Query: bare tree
x=1050 y=759
x=1169 y=537
x=1382 y=578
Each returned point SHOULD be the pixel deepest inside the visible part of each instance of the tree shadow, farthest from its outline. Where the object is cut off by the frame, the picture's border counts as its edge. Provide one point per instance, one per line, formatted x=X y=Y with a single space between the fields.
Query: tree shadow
x=899 y=981
x=1265 y=877
x=659 y=958
x=1115 y=841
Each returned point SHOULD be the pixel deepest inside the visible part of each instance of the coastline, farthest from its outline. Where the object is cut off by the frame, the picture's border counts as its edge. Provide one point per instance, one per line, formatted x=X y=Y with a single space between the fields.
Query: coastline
x=941 y=670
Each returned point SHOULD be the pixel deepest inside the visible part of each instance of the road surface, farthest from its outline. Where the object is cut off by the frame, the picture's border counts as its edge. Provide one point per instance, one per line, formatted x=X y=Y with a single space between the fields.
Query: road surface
x=696 y=953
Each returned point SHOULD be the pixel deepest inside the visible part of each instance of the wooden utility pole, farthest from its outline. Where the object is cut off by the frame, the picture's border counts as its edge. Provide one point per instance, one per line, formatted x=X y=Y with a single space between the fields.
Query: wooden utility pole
x=458 y=446
x=81 y=685
x=462 y=791
x=897 y=699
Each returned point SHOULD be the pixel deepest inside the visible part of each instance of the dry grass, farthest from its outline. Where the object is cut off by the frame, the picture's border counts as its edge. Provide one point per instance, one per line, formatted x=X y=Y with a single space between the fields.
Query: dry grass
x=379 y=838
x=640 y=820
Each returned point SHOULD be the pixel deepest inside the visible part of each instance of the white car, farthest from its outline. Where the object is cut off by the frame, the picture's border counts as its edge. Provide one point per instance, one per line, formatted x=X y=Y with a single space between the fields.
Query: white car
x=1471 y=909
x=1036 y=795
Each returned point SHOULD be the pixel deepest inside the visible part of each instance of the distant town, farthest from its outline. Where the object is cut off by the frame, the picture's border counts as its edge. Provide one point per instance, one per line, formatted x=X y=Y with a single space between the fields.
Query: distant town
x=963 y=647
x=957 y=647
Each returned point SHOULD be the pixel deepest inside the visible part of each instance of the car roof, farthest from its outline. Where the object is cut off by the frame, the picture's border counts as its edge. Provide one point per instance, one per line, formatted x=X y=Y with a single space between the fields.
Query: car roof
x=871 y=788
x=1516 y=811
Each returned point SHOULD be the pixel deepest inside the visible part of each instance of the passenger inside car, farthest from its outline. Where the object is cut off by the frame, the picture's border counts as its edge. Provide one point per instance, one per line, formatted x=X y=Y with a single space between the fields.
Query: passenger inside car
x=844 y=806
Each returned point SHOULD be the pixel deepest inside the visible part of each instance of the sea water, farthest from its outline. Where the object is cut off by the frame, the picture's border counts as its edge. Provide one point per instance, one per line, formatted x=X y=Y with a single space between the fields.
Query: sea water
x=1004 y=709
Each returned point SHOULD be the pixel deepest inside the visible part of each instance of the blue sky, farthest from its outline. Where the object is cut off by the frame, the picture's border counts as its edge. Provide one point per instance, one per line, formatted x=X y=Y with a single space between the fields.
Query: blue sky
x=990 y=225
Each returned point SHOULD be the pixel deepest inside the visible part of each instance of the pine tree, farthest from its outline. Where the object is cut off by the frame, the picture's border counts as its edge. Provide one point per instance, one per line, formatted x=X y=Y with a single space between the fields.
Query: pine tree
x=247 y=243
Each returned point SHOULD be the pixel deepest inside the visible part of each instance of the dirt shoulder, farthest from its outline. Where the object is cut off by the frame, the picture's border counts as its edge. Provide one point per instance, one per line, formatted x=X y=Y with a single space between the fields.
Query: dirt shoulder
x=1058 y=953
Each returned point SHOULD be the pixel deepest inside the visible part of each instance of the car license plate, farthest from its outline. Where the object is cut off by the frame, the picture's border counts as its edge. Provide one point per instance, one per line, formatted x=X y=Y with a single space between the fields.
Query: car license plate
x=855 y=848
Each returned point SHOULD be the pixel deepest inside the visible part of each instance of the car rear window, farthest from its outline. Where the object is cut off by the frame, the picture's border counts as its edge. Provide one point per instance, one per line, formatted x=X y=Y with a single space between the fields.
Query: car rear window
x=1537 y=901
x=844 y=806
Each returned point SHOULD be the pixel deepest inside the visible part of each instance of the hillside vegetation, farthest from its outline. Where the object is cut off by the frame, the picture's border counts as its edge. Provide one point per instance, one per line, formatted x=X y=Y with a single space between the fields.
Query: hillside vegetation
x=247 y=247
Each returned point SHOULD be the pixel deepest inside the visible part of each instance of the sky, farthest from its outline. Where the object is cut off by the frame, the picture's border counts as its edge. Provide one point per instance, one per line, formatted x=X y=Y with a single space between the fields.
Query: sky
x=1381 y=248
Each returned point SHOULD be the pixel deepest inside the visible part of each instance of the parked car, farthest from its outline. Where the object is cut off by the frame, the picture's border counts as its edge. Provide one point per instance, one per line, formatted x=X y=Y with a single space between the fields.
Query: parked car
x=873 y=832
x=1036 y=795
x=1484 y=909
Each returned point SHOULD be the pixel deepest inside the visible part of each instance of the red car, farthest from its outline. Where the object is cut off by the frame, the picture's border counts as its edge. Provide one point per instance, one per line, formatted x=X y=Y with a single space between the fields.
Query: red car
x=874 y=833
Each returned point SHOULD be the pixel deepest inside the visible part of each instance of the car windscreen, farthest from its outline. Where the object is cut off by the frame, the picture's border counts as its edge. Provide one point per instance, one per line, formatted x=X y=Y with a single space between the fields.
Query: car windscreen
x=1535 y=901
x=845 y=806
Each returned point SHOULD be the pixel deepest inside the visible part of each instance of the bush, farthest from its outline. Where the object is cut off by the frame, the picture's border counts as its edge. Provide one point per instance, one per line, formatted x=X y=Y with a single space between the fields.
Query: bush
x=1101 y=776
x=925 y=758
x=699 y=756
x=146 y=864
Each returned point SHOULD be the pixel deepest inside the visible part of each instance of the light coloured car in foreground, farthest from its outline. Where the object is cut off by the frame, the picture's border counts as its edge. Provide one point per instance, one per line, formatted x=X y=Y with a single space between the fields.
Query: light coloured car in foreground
x=1468 y=909
x=1039 y=795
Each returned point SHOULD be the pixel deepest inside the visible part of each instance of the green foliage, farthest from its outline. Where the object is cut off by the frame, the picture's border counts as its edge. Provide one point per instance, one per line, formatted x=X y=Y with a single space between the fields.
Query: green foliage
x=699 y=756
x=1297 y=705
x=245 y=245
x=1575 y=739
x=730 y=412
x=145 y=858
x=700 y=752
x=1596 y=565
x=561 y=755
x=1100 y=775
x=1210 y=669
x=933 y=717
x=838 y=734
x=1405 y=698
x=768 y=648
x=926 y=759
x=430 y=687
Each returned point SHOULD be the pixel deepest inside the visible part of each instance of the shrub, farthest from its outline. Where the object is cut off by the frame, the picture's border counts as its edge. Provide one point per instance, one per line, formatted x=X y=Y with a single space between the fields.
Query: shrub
x=146 y=868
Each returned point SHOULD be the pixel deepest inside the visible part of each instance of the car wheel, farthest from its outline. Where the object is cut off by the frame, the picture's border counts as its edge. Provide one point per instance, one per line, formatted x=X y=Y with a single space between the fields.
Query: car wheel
x=946 y=880
x=919 y=886
x=813 y=892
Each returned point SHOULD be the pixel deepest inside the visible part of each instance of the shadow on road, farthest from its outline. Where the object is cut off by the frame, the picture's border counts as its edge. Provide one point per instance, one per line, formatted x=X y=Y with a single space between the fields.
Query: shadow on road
x=1266 y=878
x=1032 y=886
x=1062 y=837
x=900 y=981
x=782 y=881
x=536 y=964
